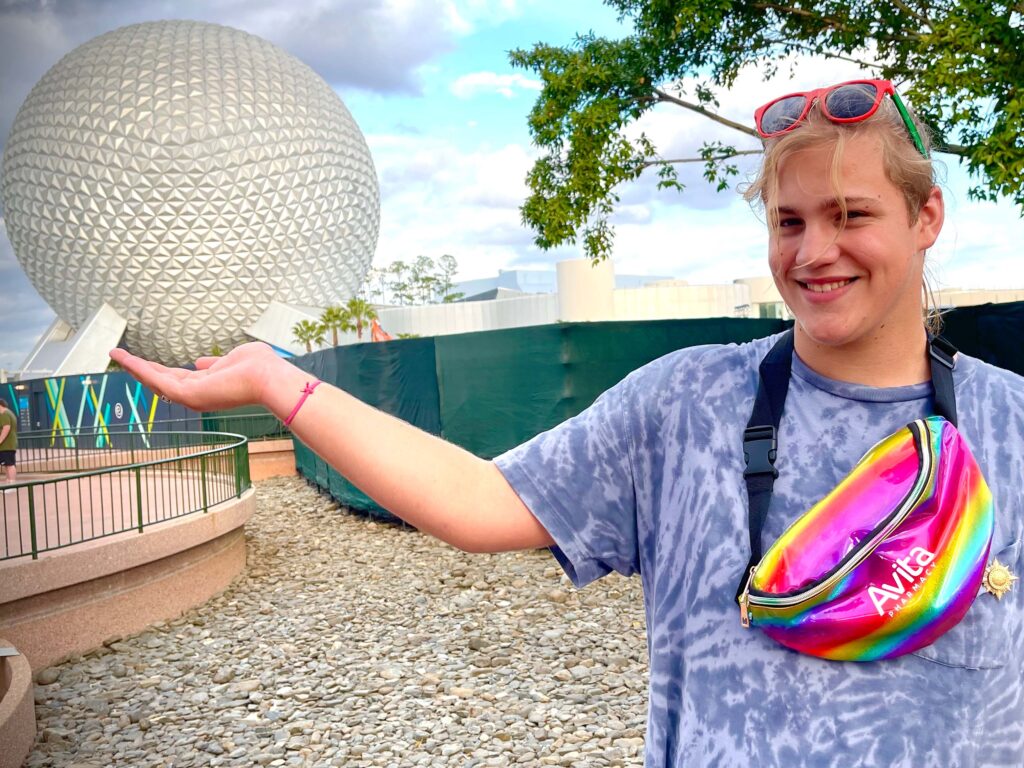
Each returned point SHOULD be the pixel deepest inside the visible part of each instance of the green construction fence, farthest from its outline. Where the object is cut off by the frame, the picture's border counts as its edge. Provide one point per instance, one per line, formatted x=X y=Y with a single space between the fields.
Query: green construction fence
x=491 y=390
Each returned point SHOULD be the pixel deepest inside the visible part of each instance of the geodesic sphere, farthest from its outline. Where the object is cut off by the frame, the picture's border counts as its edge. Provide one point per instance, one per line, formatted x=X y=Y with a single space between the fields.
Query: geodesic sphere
x=187 y=174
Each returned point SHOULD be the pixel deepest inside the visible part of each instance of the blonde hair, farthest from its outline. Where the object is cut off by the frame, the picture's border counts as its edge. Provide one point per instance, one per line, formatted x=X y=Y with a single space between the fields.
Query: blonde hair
x=908 y=170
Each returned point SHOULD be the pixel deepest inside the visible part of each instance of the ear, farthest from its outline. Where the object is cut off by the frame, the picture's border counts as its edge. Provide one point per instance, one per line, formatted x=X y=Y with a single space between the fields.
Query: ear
x=930 y=219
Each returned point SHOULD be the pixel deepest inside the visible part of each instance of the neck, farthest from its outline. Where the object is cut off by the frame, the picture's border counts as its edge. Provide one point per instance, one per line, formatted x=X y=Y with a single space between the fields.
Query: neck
x=873 y=361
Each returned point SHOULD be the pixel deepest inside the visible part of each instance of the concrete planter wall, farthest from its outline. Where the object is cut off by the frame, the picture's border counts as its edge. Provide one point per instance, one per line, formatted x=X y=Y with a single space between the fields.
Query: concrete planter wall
x=17 y=709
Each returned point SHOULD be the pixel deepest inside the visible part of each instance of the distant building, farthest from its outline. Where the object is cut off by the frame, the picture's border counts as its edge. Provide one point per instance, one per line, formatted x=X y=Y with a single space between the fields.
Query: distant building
x=948 y=298
x=575 y=291
x=538 y=281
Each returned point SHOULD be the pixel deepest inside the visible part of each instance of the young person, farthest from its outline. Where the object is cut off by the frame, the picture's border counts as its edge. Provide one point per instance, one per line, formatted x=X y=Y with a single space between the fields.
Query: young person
x=649 y=480
x=8 y=441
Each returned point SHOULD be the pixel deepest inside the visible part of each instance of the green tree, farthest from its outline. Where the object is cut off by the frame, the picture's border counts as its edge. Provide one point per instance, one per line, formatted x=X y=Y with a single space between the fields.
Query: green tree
x=957 y=61
x=309 y=332
x=334 y=319
x=361 y=313
x=447 y=266
x=423 y=281
x=374 y=287
x=399 y=284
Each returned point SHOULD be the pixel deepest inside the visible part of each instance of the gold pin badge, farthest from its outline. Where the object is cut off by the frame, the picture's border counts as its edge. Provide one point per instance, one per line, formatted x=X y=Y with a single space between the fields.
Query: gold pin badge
x=998 y=579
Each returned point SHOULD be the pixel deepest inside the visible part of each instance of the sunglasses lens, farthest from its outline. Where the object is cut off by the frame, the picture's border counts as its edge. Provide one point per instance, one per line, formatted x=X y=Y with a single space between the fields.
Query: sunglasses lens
x=851 y=101
x=781 y=115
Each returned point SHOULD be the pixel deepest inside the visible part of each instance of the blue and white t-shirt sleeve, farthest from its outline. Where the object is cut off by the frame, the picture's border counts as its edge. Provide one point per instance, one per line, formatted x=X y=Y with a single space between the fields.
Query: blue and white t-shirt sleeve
x=577 y=480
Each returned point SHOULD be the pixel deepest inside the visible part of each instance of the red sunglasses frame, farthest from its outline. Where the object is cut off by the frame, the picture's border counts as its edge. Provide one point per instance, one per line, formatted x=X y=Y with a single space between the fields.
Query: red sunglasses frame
x=820 y=95
x=882 y=87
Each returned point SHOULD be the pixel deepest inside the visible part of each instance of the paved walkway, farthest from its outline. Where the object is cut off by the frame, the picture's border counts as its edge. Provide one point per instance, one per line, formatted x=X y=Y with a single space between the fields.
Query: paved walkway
x=353 y=643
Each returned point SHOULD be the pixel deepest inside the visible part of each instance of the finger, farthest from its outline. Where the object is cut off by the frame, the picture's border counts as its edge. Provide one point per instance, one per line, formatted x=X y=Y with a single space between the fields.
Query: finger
x=203 y=363
x=159 y=378
x=147 y=369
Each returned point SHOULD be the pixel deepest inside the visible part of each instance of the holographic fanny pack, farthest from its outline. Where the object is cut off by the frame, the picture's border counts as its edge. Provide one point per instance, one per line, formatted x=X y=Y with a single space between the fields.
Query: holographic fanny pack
x=889 y=560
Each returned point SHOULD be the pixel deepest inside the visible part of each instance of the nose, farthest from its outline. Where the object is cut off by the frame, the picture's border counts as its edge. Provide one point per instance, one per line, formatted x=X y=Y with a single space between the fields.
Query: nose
x=818 y=246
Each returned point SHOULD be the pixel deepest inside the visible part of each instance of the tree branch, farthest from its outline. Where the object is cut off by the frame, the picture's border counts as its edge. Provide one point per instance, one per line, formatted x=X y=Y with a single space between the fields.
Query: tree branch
x=662 y=96
x=826 y=54
x=787 y=10
x=911 y=12
x=679 y=161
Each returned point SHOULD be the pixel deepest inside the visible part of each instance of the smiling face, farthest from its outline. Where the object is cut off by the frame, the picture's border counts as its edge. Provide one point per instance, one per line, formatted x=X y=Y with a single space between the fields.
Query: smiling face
x=856 y=282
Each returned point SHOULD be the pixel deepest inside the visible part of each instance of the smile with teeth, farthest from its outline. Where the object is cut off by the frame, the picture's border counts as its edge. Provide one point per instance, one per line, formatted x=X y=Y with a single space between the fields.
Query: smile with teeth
x=827 y=287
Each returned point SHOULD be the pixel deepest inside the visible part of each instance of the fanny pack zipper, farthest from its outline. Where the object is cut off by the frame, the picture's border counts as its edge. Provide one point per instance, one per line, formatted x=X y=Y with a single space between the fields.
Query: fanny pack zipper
x=920 y=431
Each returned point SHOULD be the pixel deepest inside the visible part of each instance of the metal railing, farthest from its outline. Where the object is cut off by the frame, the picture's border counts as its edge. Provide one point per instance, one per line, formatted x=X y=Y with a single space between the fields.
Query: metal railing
x=131 y=484
x=71 y=450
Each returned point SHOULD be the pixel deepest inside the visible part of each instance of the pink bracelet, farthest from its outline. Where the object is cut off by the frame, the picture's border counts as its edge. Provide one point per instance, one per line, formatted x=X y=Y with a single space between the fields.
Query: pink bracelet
x=307 y=390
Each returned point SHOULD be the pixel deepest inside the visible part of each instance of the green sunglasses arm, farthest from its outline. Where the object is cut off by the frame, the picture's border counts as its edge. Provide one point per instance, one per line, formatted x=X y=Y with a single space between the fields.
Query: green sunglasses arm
x=909 y=122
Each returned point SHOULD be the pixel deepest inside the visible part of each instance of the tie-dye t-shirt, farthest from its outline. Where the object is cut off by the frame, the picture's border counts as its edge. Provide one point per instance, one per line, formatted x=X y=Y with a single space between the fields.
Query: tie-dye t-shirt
x=649 y=481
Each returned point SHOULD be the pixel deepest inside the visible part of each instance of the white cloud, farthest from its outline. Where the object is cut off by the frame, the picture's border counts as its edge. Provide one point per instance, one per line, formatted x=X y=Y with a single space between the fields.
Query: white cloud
x=468 y=86
x=980 y=242
x=439 y=197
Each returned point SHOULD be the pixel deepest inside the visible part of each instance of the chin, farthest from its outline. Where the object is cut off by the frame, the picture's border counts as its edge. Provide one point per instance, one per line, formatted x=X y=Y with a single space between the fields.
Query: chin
x=828 y=335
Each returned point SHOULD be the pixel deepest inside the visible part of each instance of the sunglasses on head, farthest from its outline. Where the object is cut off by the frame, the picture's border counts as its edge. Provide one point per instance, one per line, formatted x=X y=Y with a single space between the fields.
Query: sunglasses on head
x=849 y=102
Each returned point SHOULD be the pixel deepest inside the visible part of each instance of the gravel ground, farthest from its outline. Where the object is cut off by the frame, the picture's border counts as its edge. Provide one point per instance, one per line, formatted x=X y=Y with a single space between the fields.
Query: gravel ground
x=349 y=642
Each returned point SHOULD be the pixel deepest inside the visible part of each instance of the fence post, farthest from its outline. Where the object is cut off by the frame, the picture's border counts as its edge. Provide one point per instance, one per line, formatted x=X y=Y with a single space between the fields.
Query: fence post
x=138 y=494
x=238 y=472
x=32 y=522
x=202 y=480
x=242 y=477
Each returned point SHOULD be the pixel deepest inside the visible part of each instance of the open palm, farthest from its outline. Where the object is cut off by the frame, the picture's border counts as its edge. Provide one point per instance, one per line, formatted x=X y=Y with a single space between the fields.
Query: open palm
x=218 y=383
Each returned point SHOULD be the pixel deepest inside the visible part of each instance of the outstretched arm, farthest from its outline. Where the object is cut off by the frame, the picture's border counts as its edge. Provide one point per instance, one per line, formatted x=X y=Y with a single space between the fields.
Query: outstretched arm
x=436 y=486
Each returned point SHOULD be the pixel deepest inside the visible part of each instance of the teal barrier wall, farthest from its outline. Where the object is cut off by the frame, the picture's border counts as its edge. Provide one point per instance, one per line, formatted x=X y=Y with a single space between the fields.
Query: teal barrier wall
x=398 y=377
x=499 y=388
x=490 y=391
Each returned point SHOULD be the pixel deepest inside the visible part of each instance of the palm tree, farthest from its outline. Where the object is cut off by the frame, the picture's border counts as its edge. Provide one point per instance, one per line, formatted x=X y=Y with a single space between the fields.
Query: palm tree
x=336 y=319
x=309 y=332
x=361 y=313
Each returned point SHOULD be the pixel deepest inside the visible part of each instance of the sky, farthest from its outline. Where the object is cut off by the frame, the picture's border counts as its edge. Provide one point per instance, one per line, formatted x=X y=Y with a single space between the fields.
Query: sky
x=445 y=116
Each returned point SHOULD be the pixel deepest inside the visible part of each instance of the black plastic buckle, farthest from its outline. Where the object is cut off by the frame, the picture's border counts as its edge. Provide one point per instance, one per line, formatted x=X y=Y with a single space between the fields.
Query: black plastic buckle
x=942 y=351
x=760 y=447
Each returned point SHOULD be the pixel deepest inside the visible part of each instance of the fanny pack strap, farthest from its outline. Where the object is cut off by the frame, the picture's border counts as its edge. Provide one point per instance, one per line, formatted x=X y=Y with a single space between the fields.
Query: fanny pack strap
x=760 y=438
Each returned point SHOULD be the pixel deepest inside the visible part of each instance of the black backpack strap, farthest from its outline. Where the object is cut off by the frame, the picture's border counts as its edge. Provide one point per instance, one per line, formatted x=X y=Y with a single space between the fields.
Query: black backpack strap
x=760 y=442
x=942 y=357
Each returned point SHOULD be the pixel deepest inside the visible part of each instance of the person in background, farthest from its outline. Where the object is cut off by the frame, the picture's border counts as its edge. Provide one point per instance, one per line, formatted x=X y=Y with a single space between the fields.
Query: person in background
x=8 y=441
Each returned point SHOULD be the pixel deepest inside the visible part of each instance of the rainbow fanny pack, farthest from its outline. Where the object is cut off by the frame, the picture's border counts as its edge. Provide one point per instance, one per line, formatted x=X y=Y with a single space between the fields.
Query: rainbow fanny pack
x=892 y=558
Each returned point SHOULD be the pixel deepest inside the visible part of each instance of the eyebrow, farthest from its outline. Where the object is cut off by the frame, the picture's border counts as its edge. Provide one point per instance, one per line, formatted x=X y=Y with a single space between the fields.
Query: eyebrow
x=828 y=205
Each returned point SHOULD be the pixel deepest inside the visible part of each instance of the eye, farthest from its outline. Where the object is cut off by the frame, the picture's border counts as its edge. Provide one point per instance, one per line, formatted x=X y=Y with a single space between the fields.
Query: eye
x=790 y=222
